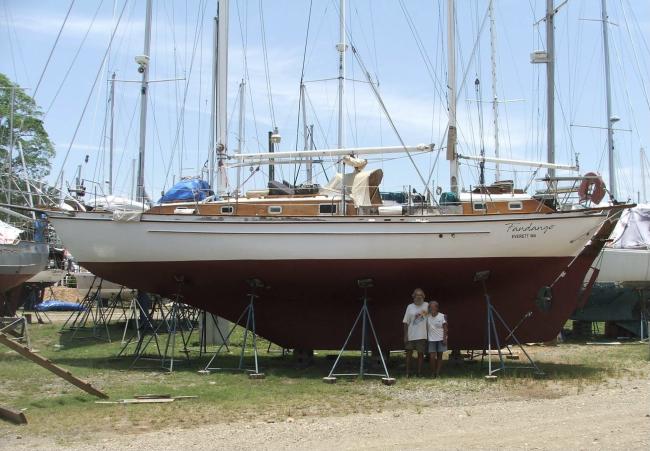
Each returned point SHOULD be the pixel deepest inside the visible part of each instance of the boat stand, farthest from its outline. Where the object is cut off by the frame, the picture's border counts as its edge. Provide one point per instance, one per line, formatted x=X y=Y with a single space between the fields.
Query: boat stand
x=94 y=311
x=148 y=335
x=491 y=334
x=364 y=317
x=249 y=312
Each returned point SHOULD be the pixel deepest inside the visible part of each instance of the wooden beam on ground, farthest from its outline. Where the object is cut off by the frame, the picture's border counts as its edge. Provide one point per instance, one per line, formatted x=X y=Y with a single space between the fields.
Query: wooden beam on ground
x=48 y=365
x=14 y=416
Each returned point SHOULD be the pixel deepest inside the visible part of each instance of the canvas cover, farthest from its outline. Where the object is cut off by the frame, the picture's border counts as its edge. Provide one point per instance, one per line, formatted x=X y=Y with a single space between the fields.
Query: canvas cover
x=112 y=203
x=188 y=190
x=633 y=229
x=362 y=187
x=8 y=233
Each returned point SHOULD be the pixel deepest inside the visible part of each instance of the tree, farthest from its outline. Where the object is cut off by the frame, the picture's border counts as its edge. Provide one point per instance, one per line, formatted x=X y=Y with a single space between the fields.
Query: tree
x=28 y=132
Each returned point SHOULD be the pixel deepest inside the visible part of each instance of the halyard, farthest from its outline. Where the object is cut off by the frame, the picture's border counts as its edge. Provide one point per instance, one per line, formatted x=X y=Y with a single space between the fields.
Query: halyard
x=291 y=399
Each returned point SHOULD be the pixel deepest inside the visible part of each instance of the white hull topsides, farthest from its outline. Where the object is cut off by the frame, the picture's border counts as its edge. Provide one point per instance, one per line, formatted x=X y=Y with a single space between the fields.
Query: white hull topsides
x=625 y=265
x=97 y=237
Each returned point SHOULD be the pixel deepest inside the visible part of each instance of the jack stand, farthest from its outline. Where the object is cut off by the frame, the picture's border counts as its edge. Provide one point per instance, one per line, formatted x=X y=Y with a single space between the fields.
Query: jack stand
x=93 y=310
x=149 y=334
x=249 y=312
x=491 y=329
x=364 y=316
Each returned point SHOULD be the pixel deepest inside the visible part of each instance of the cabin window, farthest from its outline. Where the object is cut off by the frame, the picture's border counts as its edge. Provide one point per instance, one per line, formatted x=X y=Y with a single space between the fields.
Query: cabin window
x=227 y=210
x=275 y=210
x=327 y=209
x=515 y=206
x=479 y=206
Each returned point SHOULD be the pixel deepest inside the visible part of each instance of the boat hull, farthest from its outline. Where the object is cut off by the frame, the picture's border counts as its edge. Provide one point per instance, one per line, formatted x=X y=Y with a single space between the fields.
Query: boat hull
x=20 y=262
x=630 y=266
x=312 y=297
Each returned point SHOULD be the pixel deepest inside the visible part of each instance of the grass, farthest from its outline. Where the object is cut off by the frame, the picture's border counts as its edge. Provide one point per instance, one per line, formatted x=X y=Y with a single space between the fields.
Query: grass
x=288 y=391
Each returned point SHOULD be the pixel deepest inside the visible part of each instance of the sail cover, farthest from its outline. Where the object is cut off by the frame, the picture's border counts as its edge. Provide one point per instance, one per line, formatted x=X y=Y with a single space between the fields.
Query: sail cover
x=361 y=186
x=633 y=230
x=8 y=233
x=187 y=190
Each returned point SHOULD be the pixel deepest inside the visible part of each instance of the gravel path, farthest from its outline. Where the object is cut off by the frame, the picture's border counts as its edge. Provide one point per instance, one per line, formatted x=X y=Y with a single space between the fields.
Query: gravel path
x=615 y=416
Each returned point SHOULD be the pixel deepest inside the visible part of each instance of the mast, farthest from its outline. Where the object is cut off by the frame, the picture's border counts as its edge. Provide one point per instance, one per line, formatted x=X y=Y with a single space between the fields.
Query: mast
x=305 y=132
x=11 y=143
x=143 y=63
x=341 y=47
x=608 y=93
x=213 y=101
x=221 y=113
x=451 y=91
x=495 y=100
x=240 y=138
x=550 y=85
x=110 y=151
x=29 y=186
x=643 y=175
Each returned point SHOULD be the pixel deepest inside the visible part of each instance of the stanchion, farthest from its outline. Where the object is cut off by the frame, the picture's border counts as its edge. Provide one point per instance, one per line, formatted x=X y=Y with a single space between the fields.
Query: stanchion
x=249 y=312
x=366 y=321
x=492 y=334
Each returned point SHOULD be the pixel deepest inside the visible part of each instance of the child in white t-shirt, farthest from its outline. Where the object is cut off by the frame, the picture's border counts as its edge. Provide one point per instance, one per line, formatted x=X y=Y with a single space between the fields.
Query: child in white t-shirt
x=437 y=337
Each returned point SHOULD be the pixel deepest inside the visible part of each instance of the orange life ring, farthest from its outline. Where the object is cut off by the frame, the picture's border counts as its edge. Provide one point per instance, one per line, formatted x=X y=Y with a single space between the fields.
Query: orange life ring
x=592 y=188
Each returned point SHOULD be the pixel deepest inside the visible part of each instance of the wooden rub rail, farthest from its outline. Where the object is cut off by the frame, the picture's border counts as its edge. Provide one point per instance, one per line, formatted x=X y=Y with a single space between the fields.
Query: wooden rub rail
x=48 y=365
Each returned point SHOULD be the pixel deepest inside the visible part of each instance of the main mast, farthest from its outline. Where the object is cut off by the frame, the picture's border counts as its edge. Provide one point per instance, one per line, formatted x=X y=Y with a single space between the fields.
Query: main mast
x=495 y=100
x=341 y=47
x=451 y=89
x=608 y=93
x=550 y=85
x=143 y=67
x=221 y=114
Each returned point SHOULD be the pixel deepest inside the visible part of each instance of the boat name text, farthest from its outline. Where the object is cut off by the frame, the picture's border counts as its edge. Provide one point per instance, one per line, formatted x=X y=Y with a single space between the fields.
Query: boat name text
x=529 y=230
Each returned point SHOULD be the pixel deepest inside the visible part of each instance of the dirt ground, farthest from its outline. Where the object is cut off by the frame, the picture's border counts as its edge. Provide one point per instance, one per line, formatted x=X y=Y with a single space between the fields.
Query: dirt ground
x=612 y=415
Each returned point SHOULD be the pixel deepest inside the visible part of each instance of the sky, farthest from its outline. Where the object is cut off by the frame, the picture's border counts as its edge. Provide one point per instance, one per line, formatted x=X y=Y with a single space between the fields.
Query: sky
x=401 y=43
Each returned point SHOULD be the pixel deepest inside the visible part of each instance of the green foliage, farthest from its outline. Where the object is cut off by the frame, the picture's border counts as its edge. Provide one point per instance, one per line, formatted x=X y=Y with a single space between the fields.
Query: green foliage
x=28 y=131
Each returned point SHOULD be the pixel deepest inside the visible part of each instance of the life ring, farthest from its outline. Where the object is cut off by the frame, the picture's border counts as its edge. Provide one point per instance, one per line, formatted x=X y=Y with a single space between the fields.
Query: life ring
x=592 y=188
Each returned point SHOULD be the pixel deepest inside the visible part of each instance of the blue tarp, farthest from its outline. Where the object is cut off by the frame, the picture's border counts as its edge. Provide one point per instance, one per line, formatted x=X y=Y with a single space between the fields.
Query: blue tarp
x=58 y=306
x=187 y=190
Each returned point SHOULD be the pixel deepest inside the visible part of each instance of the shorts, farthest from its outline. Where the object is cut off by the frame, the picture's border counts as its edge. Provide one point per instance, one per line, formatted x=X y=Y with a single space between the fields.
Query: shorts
x=417 y=345
x=437 y=346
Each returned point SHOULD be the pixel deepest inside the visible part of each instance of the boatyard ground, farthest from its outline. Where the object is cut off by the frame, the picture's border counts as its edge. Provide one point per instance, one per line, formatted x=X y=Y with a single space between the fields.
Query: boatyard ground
x=594 y=396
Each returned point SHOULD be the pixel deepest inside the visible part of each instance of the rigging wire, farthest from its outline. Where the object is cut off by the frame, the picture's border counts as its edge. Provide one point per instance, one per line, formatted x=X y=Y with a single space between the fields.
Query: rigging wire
x=99 y=71
x=56 y=41
x=269 y=91
x=74 y=59
x=178 y=133
x=300 y=87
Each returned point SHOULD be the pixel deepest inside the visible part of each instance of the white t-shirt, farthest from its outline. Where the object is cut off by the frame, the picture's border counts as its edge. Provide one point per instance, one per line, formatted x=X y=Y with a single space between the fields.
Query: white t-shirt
x=434 y=326
x=416 y=318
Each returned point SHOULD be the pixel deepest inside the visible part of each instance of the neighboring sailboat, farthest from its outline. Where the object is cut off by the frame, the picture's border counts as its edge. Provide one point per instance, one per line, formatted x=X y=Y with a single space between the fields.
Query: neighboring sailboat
x=20 y=260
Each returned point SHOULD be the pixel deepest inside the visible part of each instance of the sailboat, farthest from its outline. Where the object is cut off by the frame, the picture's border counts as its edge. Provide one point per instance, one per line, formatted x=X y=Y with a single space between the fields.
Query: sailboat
x=20 y=260
x=310 y=245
